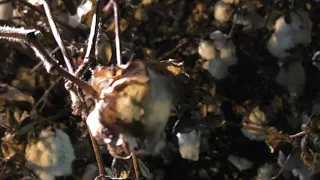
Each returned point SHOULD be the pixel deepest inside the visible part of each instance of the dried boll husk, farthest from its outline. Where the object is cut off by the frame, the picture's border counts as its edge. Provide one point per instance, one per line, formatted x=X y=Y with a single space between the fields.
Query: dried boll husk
x=257 y=118
x=134 y=105
x=51 y=155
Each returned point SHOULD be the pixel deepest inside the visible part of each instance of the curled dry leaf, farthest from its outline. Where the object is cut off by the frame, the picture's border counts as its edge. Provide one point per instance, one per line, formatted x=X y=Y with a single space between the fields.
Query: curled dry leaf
x=134 y=104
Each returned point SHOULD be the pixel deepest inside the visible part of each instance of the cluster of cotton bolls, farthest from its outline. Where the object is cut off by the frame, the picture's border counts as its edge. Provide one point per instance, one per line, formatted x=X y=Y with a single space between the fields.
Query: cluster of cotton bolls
x=291 y=30
x=219 y=53
x=50 y=155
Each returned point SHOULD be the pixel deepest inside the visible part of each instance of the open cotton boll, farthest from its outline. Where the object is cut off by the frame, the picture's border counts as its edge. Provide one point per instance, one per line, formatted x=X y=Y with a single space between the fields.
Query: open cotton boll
x=225 y=47
x=52 y=155
x=292 y=78
x=217 y=69
x=189 y=145
x=220 y=53
x=207 y=50
x=298 y=31
x=289 y=35
x=256 y=118
x=223 y=12
x=240 y=163
x=274 y=47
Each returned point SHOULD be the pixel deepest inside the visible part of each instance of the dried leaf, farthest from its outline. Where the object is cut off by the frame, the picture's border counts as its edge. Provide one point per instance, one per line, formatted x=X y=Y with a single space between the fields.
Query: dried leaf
x=272 y=140
x=309 y=158
x=12 y=94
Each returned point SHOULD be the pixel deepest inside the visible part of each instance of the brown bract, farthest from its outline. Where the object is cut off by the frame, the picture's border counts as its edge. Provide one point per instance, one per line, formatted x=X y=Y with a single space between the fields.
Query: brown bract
x=134 y=104
x=119 y=87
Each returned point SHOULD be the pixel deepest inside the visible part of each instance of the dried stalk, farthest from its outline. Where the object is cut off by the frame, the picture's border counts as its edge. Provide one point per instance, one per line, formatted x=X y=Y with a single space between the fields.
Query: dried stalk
x=56 y=35
x=116 y=30
x=40 y=11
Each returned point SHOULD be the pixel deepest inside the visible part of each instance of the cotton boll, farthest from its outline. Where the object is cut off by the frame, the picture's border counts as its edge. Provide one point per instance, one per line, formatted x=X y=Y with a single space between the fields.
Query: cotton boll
x=225 y=47
x=222 y=54
x=240 y=163
x=274 y=47
x=256 y=118
x=207 y=50
x=289 y=35
x=189 y=145
x=296 y=32
x=292 y=78
x=223 y=12
x=217 y=69
x=52 y=155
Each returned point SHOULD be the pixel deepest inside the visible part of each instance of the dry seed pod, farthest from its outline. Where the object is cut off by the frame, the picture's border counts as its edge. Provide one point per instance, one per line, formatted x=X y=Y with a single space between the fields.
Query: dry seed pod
x=134 y=105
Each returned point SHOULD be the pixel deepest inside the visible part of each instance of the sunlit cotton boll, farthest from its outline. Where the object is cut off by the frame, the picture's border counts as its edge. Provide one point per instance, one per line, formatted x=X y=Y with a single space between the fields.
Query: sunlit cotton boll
x=220 y=53
x=257 y=118
x=287 y=35
x=223 y=12
x=52 y=155
x=207 y=50
x=292 y=77
x=189 y=145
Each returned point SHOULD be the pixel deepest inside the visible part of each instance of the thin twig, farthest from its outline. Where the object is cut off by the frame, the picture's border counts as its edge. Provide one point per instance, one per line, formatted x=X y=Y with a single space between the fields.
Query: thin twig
x=40 y=11
x=183 y=42
x=29 y=36
x=116 y=30
x=56 y=35
x=94 y=28
x=45 y=94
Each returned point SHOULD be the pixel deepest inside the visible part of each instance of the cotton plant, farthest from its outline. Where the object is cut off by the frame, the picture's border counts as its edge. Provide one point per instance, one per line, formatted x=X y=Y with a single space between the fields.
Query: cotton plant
x=219 y=54
x=292 y=77
x=189 y=145
x=290 y=31
x=50 y=155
